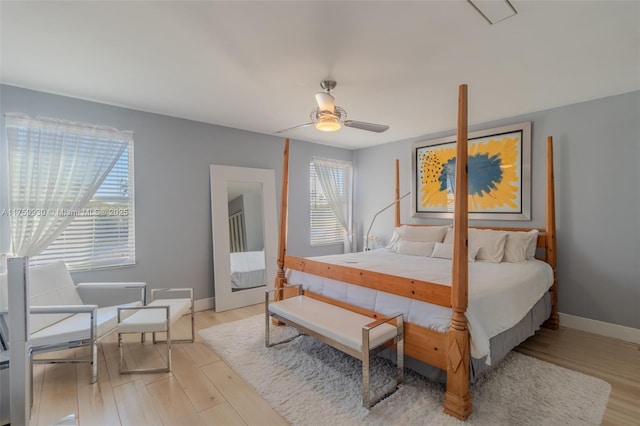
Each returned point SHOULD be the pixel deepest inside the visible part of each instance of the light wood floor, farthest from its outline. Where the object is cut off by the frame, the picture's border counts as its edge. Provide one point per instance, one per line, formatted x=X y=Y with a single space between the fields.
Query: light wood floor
x=202 y=389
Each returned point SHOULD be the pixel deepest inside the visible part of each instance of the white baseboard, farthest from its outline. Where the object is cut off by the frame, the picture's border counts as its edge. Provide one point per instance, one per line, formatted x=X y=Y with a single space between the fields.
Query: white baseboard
x=204 y=304
x=628 y=334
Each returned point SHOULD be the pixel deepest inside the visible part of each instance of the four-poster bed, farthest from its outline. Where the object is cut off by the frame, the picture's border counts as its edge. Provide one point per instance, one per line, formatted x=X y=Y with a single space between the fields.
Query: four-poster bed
x=448 y=349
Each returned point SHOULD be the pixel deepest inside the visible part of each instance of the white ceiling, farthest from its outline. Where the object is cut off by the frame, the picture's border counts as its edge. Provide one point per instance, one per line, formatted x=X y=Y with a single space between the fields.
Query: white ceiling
x=256 y=65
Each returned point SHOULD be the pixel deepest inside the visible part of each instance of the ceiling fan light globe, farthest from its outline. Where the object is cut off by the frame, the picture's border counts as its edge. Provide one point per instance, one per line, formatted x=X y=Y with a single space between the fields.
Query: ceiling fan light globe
x=328 y=125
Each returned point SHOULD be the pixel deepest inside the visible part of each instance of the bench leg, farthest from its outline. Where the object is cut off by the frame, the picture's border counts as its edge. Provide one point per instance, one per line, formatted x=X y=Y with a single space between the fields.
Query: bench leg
x=366 y=370
x=367 y=400
x=400 y=352
x=165 y=369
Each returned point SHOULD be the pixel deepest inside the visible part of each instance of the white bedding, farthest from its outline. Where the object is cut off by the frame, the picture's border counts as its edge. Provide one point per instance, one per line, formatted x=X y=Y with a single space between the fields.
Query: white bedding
x=248 y=269
x=500 y=294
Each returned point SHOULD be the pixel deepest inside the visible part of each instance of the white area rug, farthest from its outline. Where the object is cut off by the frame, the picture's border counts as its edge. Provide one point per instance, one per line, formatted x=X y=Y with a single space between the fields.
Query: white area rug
x=310 y=383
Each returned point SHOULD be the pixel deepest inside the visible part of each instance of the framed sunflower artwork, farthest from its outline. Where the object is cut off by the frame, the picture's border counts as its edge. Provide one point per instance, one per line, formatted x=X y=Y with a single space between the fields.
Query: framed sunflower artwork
x=499 y=164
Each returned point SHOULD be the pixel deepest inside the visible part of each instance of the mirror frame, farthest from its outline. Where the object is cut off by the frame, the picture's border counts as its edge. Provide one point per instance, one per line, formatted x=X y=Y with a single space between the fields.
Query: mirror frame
x=221 y=175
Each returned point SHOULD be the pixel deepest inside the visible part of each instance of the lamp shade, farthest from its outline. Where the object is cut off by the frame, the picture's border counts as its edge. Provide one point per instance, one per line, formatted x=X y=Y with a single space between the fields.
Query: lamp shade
x=328 y=125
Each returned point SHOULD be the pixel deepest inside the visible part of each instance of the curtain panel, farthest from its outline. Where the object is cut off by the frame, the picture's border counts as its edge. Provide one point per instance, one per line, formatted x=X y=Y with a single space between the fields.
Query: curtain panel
x=335 y=178
x=55 y=167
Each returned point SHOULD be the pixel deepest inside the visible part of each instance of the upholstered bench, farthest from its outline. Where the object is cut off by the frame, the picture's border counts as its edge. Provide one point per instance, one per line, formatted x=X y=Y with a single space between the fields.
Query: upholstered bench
x=156 y=317
x=347 y=331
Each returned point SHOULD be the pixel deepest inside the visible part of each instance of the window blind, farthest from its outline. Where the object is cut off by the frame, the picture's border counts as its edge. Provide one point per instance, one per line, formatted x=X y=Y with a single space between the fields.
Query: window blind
x=324 y=225
x=102 y=234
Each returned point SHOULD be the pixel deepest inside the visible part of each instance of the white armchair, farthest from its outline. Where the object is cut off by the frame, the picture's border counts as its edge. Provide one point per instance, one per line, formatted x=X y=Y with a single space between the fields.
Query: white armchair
x=60 y=319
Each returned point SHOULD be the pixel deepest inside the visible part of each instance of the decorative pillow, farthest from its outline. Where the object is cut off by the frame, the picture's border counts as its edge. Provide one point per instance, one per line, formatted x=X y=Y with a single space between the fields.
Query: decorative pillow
x=472 y=252
x=518 y=246
x=533 y=245
x=490 y=242
x=445 y=251
x=415 y=248
x=395 y=238
x=448 y=239
x=429 y=234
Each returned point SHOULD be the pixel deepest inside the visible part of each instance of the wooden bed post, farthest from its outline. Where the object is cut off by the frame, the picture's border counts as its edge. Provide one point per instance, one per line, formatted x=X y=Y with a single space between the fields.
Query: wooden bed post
x=554 y=320
x=282 y=237
x=457 y=400
x=397 y=193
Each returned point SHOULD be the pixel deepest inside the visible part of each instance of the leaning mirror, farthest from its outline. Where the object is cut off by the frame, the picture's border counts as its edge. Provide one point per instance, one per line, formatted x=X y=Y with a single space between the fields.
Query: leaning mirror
x=243 y=213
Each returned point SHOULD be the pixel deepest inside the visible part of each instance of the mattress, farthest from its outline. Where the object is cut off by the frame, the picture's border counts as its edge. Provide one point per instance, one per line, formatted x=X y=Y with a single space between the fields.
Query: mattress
x=248 y=269
x=500 y=294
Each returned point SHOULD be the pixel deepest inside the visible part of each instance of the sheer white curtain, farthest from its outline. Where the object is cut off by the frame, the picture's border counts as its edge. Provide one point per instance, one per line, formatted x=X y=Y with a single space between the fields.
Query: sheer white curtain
x=335 y=178
x=55 y=167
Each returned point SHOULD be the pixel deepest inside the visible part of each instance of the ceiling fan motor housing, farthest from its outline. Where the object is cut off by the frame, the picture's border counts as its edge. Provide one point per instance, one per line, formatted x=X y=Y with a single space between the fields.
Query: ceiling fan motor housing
x=328 y=85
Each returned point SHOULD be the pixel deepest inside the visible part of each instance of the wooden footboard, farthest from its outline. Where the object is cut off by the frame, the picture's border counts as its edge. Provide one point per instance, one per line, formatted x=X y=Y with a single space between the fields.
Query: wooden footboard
x=437 y=294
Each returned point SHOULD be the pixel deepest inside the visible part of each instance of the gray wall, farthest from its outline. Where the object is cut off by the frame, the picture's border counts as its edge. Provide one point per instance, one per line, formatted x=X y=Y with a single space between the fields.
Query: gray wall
x=597 y=153
x=250 y=205
x=597 y=183
x=172 y=194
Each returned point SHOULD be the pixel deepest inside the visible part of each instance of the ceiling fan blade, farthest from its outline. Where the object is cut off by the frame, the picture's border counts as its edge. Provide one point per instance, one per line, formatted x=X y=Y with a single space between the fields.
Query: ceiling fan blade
x=294 y=127
x=372 y=127
x=325 y=101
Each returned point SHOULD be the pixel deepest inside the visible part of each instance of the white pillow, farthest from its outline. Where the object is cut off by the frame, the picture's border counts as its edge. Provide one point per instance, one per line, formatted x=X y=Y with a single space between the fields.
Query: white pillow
x=519 y=246
x=429 y=234
x=533 y=245
x=395 y=238
x=448 y=239
x=415 y=248
x=490 y=242
x=445 y=251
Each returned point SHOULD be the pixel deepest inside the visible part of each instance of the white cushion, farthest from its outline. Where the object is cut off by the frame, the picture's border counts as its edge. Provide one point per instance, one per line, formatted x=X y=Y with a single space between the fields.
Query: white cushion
x=520 y=246
x=339 y=325
x=414 y=248
x=154 y=320
x=77 y=327
x=394 y=239
x=448 y=238
x=490 y=243
x=48 y=285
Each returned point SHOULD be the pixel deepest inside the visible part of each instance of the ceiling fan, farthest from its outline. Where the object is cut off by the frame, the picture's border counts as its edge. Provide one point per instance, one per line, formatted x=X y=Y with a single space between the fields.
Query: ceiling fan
x=328 y=117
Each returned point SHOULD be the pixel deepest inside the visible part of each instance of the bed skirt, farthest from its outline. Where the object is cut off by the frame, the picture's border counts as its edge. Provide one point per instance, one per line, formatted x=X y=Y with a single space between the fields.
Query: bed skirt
x=501 y=344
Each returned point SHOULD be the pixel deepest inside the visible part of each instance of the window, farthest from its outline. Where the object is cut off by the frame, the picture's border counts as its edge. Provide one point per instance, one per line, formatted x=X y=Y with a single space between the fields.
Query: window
x=68 y=193
x=325 y=226
x=102 y=234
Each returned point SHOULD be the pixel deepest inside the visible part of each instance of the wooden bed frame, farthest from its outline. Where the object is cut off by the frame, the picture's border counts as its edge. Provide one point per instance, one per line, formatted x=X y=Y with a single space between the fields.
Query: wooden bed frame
x=449 y=351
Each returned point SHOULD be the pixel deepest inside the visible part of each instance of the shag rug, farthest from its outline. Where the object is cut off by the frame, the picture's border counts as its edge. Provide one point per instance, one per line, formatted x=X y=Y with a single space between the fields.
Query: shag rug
x=310 y=383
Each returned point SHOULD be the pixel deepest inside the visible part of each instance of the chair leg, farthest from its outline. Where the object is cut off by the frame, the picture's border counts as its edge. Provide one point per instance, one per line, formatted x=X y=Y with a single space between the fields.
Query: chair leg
x=169 y=346
x=94 y=362
x=31 y=379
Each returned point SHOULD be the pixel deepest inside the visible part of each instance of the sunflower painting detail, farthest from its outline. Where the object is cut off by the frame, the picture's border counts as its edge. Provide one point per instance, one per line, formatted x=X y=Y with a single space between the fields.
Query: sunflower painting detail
x=495 y=174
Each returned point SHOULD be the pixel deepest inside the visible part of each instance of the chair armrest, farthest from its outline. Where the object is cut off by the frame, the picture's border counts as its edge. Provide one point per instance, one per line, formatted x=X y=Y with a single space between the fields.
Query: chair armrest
x=381 y=321
x=64 y=309
x=136 y=285
x=114 y=285
x=154 y=291
x=92 y=310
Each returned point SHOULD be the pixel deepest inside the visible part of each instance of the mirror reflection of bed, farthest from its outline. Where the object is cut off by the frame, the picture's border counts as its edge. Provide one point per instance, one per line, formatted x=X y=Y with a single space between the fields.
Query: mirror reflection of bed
x=246 y=235
x=243 y=214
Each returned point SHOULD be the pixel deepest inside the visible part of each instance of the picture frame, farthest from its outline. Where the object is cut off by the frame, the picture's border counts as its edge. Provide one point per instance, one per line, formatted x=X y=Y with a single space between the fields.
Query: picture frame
x=499 y=165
